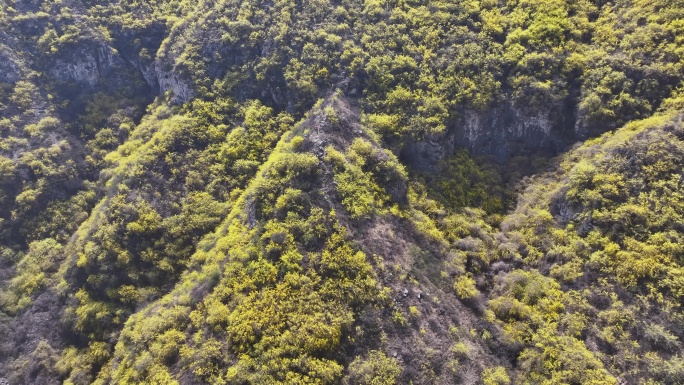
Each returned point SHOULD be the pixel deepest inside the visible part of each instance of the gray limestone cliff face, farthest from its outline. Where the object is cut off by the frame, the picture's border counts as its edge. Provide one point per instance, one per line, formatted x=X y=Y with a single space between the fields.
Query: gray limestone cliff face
x=508 y=130
x=9 y=66
x=168 y=80
x=501 y=131
x=93 y=65
x=87 y=65
x=148 y=70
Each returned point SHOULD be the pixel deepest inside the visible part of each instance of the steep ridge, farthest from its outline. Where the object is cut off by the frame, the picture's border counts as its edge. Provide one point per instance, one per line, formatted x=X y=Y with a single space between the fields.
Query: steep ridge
x=603 y=231
x=291 y=291
x=292 y=192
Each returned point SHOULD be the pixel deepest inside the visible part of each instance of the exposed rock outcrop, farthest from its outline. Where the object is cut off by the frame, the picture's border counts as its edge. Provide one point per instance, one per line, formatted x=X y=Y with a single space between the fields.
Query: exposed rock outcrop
x=501 y=131
x=87 y=65
x=170 y=81
x=9 y=68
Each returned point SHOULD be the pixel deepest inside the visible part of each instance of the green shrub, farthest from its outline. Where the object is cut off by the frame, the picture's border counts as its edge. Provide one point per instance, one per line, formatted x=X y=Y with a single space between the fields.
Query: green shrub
x=374 y=369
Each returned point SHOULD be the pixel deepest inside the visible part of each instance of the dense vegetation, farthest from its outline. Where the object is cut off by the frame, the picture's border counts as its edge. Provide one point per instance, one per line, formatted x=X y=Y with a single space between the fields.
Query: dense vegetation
x=342 y=192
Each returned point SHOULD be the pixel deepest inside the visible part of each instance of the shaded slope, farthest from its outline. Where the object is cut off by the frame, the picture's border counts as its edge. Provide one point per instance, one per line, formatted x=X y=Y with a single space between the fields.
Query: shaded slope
x=204 y=241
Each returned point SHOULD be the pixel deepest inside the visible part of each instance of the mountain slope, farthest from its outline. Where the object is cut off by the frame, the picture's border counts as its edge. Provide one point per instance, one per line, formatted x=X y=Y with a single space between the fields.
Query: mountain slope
x=347 y=192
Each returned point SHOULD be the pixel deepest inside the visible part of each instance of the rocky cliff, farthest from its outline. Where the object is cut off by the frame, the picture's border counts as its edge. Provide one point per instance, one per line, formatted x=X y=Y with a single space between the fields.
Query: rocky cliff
x=341 y=192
